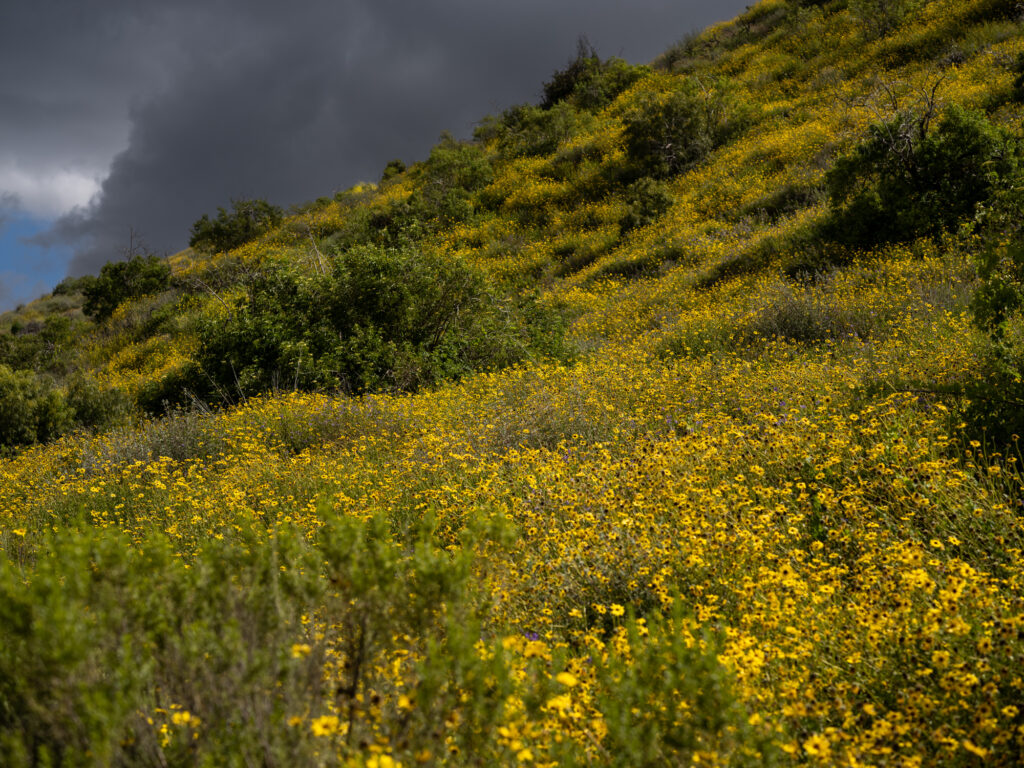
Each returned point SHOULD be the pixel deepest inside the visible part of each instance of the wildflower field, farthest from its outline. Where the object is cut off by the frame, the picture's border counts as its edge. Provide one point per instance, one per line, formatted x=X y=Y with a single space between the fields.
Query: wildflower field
x=700 y=484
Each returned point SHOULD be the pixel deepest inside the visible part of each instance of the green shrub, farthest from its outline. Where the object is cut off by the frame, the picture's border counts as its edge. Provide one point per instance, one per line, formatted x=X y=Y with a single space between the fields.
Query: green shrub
x=247 y=220
x=123 y=652
x=673 y=703
x=453 y=172
x=173 y=390
x=380 y=319
x=647 y=200
x=30 y=410
x=96 y=407
x=669 y=134
x=444 y=194
x=588 y=82
x=41 y=346
x=1001 y=292
x=880 y=17
x=392 y=169
x=119 y=281
x=997 y=398
x=69 y=286
x=527 y=130
x=908 y=179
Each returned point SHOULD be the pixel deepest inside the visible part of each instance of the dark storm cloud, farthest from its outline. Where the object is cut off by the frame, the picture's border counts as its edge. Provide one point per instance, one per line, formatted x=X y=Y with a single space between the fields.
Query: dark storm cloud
x=250 y=99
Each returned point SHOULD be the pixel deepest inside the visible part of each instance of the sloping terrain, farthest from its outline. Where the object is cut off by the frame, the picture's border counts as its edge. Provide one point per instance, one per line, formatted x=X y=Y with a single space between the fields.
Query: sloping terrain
x=670 y=421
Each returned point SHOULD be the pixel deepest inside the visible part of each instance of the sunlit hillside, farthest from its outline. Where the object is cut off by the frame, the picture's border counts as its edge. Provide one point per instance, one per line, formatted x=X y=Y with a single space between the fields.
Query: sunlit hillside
x=670 y=421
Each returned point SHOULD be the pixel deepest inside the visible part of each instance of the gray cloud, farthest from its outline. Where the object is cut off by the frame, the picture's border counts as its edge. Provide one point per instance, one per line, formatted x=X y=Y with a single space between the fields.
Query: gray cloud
x=235 y=99
x=10 y=204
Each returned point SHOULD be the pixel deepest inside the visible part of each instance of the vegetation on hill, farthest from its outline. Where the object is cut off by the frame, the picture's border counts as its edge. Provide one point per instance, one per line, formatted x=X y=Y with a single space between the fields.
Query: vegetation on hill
x=672 y=420
x=247 y=220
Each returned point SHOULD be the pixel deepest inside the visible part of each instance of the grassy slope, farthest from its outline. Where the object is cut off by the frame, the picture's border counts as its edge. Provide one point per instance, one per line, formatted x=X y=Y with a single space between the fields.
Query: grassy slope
x=860 y=584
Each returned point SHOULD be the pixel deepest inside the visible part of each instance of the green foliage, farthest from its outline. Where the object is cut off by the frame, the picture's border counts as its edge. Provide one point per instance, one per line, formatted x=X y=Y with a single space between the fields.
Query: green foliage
x=70 y=286
x=392 y=169
x=63 y=695
x=120 y=653
x=247 y=220
x=445 y=193
x=673 y=703
x=41 y=346
x=997 y=400
x=30 y=410
x=33 y=410
x=454 y=171
x=94 y=406
x=647 y=200
x=1001 y=261
x=588 y=82
x=1001 y=292
x=880 y=17
x=530 y=131
x=380 y=319
x=171 y=391
x=119 y=281
x=669 y=134
x=908 y=179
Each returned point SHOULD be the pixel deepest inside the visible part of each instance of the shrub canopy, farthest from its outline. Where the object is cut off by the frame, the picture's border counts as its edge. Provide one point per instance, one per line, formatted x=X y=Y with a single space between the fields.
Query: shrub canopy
x=588 y=82
x=247 y=220
x=671 y=132
x=380 y=319
x=908 y=179
x=122 y=280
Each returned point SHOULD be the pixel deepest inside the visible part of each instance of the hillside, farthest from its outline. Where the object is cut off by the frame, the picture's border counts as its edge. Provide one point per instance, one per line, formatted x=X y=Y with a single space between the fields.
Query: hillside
x=671 y=420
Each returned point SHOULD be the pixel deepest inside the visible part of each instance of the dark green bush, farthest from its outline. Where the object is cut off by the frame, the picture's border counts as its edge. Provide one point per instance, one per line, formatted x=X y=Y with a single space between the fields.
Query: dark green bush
x=445 y=193
x=119 y=281
x=94 y=406
x=647 y=200
x=996 y=409
x=588 y=82
x=527 y=130
x=381 y=319
x=47 y=346
x=451 y=175
x=173 y=390
x=880 y=17
x=392 y=169
x=1001 y=292
x=670 y=134
x=69 y=286
x=398 y=223
x=247 y=220
x=33 y=410
x=909 y=179
x=30 y=409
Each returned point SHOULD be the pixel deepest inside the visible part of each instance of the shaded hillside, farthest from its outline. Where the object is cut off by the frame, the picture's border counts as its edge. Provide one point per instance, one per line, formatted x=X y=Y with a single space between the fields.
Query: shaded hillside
x=670 y=420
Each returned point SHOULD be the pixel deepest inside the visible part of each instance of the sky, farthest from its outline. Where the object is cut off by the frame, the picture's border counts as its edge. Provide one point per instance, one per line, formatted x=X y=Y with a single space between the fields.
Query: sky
x=124 y=119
